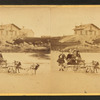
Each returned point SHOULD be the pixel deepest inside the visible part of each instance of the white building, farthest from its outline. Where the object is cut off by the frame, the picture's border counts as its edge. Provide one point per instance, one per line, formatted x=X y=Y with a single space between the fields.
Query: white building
x=9 y=32
x=87 y=29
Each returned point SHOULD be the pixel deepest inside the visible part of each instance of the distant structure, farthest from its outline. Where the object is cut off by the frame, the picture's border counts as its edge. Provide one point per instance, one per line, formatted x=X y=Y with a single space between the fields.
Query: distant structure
x=87 y=29
x=45 y=36
x=9 y=32
x=27 y=32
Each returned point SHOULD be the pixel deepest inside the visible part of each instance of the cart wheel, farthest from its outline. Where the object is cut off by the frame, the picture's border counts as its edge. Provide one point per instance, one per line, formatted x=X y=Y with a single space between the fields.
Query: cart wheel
x=75 y=68
x=87 y=70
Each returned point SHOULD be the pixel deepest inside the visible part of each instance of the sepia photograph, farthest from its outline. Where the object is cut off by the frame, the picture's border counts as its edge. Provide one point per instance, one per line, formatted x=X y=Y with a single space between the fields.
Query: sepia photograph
x=24 y=50
x=49 y=50
x=75 y=50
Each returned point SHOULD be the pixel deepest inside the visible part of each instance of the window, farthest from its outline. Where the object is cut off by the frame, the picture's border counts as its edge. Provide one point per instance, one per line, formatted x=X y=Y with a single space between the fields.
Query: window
x=94 y=32
x=1 y=31
x=12 y=32
x=86 y=32
x=15 y=33
x=90 y=33
x=75 y=32
x=81 y=32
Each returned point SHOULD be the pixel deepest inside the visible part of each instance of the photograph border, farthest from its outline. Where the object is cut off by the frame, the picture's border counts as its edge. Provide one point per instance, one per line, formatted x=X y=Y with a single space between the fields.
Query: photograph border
x=49 y=94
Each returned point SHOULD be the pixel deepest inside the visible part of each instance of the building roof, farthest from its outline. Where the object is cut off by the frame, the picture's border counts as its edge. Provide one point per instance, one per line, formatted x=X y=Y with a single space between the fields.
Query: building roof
x=16 y=26
x=6 y=25
x=85 y=26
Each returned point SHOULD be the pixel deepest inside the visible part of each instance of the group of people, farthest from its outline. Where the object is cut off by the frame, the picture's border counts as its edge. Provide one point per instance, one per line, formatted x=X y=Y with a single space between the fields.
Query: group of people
x=73 y=57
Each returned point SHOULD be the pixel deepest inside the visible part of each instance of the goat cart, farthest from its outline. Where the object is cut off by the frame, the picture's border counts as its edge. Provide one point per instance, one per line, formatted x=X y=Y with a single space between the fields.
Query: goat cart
x=86 y=67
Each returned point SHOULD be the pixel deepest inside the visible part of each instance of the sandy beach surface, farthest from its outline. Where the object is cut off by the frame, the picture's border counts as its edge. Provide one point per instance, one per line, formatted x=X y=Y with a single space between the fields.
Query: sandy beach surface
x=48 y=80
x=25 y=82
x=68 y=81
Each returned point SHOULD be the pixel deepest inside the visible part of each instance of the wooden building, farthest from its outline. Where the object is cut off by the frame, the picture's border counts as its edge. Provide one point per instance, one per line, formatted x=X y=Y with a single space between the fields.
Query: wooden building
x=9 y=32
x=87 y=29
x=27 y=32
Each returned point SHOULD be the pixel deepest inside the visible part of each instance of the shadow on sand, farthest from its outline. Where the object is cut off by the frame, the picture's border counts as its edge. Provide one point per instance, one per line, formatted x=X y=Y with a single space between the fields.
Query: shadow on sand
x=41 y=55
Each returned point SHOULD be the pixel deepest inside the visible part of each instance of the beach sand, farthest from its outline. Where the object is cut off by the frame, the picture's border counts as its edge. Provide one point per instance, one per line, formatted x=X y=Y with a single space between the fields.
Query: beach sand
x=68 y=81
x=26 y=82
x=48 y=80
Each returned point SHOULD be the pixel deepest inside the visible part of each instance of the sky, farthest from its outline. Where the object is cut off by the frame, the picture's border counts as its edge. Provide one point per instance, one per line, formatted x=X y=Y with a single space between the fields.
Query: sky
x=37 y=19
x=46 y=21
